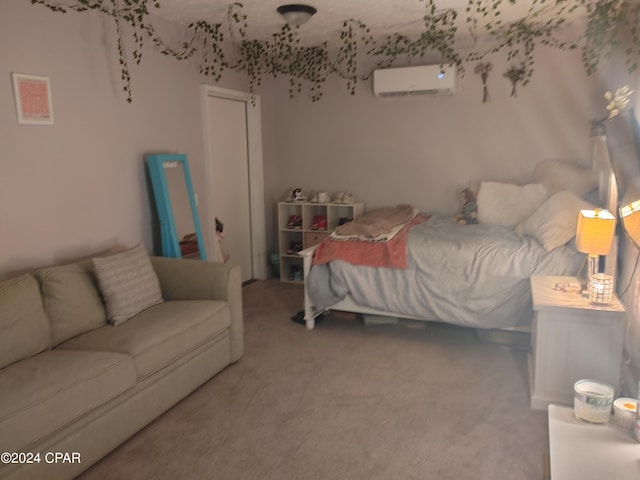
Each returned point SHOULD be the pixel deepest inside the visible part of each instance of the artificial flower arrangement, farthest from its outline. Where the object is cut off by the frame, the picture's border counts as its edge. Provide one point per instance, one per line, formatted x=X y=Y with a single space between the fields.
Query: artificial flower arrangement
x=483 y=70
x=618 y=101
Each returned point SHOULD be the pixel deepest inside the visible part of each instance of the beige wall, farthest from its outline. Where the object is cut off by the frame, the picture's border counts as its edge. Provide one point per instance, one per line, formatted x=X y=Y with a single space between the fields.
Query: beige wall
x=79 y=186
x=423 y=149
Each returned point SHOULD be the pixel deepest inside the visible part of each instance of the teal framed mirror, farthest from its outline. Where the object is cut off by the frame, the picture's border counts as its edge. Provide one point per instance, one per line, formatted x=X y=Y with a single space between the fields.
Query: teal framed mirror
x=180 y=232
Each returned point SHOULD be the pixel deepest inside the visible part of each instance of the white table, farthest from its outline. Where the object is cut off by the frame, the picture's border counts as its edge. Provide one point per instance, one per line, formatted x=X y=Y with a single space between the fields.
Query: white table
x=582 y=451
x=571 y=339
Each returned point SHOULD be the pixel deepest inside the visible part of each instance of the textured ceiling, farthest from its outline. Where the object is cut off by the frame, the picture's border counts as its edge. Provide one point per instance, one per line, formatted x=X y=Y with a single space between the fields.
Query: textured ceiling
x=381 y=16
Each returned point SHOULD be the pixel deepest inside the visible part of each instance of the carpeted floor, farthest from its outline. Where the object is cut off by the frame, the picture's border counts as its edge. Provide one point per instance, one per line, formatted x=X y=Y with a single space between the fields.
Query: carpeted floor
x=344 y=401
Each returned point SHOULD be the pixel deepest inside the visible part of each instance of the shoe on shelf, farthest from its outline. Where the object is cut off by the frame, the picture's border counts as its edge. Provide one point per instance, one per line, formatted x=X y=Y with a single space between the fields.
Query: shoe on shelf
x=295 y=273
x=348 y=198
x=343 y=220
x=319 y=222
x=295 y=221
x=294 y=248
x=344 y=197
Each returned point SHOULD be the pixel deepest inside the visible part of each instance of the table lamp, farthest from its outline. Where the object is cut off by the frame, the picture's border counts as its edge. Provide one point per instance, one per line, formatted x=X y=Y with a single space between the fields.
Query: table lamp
x=594 y=237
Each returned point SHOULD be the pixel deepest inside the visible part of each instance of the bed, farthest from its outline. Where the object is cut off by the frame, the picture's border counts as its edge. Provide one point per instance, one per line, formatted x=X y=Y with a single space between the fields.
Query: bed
x=474 y=275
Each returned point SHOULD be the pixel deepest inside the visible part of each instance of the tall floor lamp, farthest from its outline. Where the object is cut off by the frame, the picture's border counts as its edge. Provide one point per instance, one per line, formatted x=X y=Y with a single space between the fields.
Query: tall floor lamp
x=630 y=216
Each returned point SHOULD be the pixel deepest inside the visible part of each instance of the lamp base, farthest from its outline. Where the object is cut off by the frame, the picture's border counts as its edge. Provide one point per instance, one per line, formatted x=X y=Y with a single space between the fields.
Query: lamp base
x=589 y=268
x=594 y=266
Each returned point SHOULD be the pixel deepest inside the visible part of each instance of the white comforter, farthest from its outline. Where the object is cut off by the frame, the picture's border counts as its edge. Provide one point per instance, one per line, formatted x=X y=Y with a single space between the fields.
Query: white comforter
x=474 y=275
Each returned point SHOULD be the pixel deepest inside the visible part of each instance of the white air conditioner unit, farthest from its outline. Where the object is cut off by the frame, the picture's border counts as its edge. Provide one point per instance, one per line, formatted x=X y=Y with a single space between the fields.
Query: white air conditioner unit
x=425 y=79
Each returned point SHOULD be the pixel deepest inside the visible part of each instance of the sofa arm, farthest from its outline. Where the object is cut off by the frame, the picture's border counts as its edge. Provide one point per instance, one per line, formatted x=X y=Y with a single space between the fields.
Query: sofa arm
x=182 y=279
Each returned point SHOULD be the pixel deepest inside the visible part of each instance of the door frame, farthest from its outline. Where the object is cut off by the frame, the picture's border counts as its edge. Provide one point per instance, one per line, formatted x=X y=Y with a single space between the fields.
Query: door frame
x=256 y=176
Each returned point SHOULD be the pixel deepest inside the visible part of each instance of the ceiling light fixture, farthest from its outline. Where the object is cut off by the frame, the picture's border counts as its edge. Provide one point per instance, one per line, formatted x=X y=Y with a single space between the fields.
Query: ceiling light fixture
x=296 y=14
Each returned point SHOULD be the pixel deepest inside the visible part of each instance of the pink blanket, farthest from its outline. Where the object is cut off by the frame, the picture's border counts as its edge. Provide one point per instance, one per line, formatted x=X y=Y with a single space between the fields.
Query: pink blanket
x=390 y=254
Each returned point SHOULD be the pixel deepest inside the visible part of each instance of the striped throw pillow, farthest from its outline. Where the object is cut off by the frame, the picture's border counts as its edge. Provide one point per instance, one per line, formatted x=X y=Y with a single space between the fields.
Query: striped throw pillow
x=128 y=283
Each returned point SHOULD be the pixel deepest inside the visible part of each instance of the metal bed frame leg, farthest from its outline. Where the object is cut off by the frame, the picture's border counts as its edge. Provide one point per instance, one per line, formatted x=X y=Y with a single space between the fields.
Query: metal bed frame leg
x=310 y=313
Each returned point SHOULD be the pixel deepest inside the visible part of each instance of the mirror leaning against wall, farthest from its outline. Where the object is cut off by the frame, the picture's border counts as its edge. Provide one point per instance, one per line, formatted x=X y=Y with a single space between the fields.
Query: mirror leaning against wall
x=180 y=232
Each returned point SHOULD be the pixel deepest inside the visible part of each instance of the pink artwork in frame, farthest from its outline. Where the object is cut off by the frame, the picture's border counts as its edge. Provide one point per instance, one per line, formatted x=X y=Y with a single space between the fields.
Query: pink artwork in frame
x=33 y=99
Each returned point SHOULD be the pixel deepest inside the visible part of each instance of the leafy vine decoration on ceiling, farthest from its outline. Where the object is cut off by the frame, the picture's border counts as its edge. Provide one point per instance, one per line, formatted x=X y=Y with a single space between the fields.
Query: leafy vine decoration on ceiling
x=611 y=25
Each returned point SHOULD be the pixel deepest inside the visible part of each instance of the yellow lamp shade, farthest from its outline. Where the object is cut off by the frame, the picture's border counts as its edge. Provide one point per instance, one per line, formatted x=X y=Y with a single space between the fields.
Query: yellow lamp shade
x=630 y=216
x=595 y=231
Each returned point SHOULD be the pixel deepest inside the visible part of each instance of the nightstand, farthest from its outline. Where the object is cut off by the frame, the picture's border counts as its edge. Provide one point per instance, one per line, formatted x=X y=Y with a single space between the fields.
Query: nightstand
x=571 y=339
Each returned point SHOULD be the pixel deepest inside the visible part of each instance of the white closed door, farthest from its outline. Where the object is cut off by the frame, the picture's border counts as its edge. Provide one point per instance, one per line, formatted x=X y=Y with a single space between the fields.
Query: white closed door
x=229 y=177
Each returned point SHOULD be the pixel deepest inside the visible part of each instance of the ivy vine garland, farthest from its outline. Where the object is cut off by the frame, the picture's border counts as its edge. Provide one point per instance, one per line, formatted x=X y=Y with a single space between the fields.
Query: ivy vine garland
x=608 y=23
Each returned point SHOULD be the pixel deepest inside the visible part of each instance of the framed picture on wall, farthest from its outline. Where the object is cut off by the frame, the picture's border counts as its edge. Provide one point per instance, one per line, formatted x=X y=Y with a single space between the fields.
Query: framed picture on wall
x=33 y=99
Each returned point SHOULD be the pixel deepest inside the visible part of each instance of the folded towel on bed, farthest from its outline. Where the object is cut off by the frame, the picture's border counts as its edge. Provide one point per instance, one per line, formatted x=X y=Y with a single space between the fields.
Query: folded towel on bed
x=390 y=254
x=380 y=224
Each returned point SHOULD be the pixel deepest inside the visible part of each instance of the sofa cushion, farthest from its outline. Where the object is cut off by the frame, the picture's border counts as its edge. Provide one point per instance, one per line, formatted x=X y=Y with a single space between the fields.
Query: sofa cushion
x=71 y=300
x=24 y=327
x=46 y=392
x=160 y=335
x=128 y=283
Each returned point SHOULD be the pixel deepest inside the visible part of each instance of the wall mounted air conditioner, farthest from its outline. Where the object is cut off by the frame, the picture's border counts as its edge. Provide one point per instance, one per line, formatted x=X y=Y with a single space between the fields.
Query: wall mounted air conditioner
x=424 y=79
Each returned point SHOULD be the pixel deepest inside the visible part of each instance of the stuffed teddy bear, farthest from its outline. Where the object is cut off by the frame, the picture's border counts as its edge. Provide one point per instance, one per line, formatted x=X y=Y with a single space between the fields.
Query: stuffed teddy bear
x=468 y=214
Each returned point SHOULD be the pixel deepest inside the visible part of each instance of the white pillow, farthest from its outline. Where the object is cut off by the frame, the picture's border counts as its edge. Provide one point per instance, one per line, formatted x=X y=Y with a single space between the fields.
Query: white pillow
x=128 y=283
x=508 y=204
x=557 y=176
x=555 y=222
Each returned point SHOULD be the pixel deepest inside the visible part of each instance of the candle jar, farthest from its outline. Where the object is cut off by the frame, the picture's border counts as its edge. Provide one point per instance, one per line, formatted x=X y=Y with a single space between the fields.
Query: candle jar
x=592 y=401
x=601 y=289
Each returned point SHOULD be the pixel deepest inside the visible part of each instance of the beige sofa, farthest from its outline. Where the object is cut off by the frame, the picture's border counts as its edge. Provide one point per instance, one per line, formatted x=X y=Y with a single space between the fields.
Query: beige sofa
x=72 y=383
